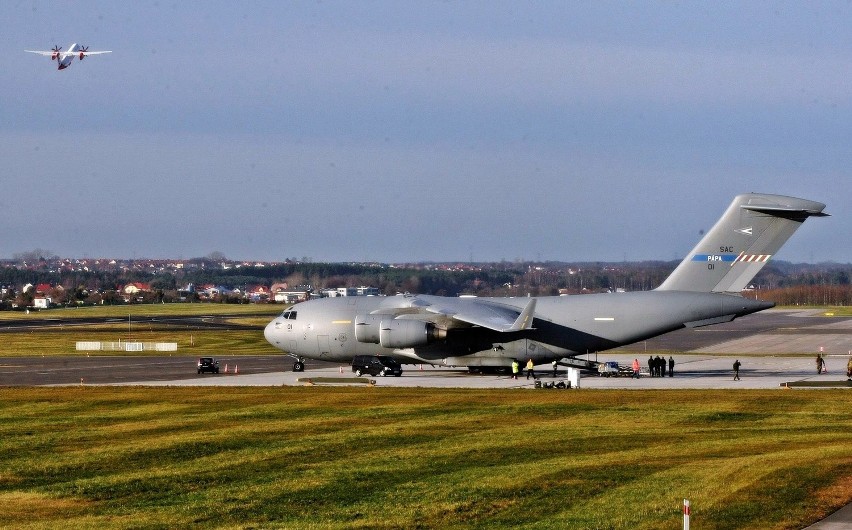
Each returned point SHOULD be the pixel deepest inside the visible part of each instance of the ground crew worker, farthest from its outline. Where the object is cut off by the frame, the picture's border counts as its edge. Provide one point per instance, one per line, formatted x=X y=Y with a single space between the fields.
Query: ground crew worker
x=849 y=369
x=737 y=370
x=554 y=368
x=671 y=366
x=515 y=368
x=530 y=369
x=636 y=368
x=819 y=363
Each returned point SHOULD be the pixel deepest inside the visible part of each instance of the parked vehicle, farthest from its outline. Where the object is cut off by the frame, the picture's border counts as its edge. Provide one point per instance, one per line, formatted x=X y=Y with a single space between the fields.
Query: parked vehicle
x=208 y=364
x=376 y=365
x=608 y=369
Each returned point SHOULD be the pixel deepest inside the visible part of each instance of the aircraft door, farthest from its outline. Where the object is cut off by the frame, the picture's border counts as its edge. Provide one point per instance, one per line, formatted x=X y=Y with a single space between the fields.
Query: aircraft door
x=322 y=345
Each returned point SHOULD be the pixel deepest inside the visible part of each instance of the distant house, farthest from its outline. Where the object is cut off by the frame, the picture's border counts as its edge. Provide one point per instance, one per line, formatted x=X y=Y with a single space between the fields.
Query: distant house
x=258 y=293
x=290 y=297
x=212 y=291
x=350 y=291
x=41 y=302
x=136 y=288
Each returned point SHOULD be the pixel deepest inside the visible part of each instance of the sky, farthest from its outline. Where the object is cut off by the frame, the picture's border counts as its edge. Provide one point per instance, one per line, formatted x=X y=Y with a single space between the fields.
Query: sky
x=400 y=131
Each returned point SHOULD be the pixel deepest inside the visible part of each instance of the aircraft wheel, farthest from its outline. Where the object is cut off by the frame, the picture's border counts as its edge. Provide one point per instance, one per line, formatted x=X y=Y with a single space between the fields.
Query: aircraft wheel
x=298 y=366
x=357 y=373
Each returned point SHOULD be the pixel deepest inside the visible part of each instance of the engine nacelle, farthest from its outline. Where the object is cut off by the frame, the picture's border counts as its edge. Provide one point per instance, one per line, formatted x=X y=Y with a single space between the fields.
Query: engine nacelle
x=402 y=333
x=367 y=327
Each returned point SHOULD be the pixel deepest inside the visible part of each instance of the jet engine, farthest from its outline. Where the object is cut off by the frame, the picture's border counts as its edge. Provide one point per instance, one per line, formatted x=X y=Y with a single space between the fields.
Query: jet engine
x=367 y=327
x=408 y=333
x=83 y=50
x=396 y=333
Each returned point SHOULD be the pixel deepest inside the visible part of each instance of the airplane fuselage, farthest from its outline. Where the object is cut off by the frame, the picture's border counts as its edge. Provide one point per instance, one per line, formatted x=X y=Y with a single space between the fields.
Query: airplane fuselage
x=326 y=329
x=64 y=59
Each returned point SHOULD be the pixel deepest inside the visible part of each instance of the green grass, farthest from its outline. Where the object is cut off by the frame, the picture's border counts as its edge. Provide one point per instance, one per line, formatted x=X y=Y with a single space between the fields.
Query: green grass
x=123 y=311
x=192 y=340
x=389 y=458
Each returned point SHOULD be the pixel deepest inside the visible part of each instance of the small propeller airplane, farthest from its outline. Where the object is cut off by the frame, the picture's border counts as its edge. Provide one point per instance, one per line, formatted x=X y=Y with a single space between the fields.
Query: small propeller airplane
x=64 y=58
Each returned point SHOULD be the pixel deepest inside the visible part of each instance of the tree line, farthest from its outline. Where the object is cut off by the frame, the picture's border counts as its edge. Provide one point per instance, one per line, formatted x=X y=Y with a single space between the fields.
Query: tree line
x=782 y=282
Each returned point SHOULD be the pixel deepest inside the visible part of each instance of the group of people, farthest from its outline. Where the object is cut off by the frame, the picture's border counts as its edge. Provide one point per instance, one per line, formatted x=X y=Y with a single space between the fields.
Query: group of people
x=530 y=373
x=657 y=366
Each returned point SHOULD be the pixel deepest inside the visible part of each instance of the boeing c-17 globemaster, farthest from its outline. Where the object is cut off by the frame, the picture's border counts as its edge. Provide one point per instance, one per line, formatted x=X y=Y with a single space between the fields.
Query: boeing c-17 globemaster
x=704 y=289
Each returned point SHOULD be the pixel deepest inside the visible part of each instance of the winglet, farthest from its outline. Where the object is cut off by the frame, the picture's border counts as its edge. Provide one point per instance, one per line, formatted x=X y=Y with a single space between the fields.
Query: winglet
x=525 y=319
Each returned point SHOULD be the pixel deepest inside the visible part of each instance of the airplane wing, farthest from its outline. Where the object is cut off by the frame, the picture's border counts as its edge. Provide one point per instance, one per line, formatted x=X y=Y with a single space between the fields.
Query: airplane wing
x=486 y=314
x=96 y=53
x=48 y=54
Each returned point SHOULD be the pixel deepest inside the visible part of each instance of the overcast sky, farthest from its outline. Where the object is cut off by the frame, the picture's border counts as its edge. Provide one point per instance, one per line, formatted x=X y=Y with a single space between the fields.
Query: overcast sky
x=411 y=131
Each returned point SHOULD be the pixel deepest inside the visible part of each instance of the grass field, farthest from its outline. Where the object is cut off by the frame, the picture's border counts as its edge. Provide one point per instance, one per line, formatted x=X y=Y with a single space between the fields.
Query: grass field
x=191 y=340
x=389 y=458
x=123 y=311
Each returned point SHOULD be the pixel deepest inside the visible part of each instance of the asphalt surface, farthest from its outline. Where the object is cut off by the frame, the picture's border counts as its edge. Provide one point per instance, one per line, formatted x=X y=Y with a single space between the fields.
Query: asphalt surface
x=702 y=361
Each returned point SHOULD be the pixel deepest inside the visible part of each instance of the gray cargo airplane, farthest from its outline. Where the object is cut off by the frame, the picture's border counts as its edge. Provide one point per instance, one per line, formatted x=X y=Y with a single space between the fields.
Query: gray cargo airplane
x=704 y=289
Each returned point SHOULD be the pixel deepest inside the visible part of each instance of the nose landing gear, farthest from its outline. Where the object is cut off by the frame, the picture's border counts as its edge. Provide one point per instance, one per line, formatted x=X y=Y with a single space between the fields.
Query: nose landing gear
x=299 y=366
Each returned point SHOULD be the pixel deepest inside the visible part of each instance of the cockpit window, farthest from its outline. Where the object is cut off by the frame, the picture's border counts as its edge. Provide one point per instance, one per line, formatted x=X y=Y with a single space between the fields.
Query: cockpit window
x=288 y=315
x=292 y=315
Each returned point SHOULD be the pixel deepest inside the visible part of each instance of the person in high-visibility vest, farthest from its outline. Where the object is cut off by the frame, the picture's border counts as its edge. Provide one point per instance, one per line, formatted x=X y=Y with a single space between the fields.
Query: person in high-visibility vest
x=530 y=369
x=515 y=368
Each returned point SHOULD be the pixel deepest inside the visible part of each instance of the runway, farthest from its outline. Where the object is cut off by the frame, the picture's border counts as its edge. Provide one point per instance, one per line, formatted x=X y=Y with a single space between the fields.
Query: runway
x=775 y=347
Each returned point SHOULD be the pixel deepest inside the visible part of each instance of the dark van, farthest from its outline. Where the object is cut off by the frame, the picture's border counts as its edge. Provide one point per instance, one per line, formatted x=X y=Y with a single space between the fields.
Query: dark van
x=376 y=365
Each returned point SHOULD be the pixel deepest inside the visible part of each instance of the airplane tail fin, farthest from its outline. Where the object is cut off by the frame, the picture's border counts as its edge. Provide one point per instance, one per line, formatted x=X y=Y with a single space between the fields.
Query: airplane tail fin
x=752 y=229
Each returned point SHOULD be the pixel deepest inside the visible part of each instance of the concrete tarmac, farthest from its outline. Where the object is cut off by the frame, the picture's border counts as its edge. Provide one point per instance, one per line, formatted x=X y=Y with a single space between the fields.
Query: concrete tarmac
x=696 y=371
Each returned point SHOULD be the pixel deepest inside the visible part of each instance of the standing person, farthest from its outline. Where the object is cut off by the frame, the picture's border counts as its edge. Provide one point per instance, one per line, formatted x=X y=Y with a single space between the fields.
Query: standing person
x=636 y=367
x=530 y=369
x=819 y=363
x=662 y=364
x=658 y=365
x=651 y=365
x=849 y=369
x=515 y=368
x=554 y=369
x=737 y=370
x=671 y=366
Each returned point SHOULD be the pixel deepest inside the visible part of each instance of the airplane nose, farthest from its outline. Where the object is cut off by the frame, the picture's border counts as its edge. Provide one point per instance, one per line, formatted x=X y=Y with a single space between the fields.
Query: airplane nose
x=269 y=333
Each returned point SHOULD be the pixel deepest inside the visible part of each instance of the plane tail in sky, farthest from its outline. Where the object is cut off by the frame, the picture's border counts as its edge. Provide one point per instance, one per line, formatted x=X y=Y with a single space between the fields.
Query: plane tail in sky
x=750 y=232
